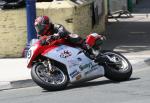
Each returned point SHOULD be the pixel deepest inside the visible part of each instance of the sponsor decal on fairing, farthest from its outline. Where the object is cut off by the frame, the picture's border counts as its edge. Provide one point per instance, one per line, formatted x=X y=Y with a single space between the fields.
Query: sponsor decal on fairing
x=78 y=77
x=73 y=63
x=89 y=65
x=83 y=67
x=74 y=73
x=65 y=54
x=29 y=54
x=91 y=70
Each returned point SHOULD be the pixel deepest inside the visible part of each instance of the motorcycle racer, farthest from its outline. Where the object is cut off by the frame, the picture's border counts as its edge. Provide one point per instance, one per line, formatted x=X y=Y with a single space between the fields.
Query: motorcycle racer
x=56 y=63
x=48 y=31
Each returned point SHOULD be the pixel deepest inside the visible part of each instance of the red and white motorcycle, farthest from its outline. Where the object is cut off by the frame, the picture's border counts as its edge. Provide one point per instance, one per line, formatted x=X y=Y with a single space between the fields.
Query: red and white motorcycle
x=56 y=65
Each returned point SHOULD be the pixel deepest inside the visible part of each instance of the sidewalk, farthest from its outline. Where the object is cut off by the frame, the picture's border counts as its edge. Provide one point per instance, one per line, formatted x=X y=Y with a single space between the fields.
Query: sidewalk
x=129 y=36
x=14 y=73
x=14 y=69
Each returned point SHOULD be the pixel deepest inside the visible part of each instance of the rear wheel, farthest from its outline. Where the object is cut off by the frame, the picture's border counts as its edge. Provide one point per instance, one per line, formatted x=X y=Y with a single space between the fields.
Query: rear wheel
x=119 y=69
x=55 y=80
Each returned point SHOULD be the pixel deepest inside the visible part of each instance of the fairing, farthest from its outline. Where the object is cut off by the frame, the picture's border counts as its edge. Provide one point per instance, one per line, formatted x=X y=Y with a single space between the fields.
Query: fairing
x=79 y=66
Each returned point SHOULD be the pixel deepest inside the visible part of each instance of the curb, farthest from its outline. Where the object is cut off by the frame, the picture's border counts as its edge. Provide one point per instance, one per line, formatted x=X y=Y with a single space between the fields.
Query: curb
x=16 y=84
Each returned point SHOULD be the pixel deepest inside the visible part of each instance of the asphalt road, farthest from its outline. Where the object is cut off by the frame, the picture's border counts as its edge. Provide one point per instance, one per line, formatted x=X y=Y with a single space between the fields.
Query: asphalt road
x=136 y=90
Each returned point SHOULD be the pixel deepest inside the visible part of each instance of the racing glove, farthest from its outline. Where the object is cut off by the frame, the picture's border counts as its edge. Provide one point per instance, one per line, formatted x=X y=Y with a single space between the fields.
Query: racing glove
x=44 y=42
x=51 y=38
x=63 y=34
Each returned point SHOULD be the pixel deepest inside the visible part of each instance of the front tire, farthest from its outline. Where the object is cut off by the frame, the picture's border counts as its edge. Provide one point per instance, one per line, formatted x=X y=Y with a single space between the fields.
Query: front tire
x=121 y=70
x=50 y=81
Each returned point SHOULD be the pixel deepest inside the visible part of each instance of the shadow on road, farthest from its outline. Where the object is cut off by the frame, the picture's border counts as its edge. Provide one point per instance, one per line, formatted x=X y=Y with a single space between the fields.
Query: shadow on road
x=96 y=83
x=92 y=84
x=142 y=7
x=128 y=36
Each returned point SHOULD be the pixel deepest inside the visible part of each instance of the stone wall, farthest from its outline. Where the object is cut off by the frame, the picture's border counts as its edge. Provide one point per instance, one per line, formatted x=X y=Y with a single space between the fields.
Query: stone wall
x=78 y=18
x=81 y=18
x=12 y=32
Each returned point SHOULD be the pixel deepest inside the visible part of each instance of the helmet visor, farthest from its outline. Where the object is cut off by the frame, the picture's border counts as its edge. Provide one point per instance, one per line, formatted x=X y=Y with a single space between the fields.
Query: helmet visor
x=39 y=28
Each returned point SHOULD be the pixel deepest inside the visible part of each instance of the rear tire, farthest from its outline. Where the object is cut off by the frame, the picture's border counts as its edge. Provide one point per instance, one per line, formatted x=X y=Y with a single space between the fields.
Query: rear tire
x=117 y=73
x=44 y=79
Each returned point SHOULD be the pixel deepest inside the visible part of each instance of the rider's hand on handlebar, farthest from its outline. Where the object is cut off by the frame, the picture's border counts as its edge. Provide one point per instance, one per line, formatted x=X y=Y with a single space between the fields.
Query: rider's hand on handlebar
x=48 y=40
x=43 y=42
x=51 y=38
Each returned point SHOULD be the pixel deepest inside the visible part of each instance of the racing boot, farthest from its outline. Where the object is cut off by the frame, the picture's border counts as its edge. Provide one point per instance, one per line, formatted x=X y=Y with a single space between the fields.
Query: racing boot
x=88 y=50
x=102 y=59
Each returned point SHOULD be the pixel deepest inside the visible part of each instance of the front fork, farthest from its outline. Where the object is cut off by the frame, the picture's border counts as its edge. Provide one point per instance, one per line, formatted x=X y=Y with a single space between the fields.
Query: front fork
x=48 y=64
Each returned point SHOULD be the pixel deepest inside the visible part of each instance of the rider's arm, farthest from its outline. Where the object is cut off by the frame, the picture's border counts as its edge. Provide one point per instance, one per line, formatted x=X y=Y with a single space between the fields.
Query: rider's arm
x=61 y=31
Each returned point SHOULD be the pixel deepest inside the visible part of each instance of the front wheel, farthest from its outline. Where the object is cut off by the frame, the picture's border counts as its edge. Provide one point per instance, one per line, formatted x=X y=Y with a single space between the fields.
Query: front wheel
x=119 y=69
x=56 y=80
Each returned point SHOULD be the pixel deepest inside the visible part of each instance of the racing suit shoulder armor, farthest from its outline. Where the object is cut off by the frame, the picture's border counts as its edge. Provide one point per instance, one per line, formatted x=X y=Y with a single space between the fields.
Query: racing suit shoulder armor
x=58 y=26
